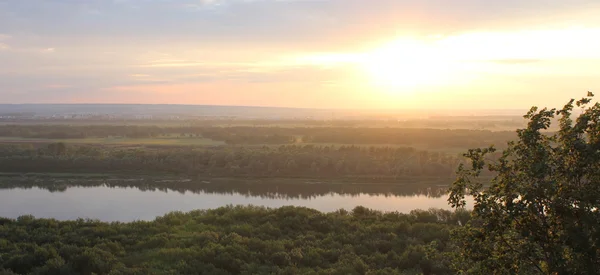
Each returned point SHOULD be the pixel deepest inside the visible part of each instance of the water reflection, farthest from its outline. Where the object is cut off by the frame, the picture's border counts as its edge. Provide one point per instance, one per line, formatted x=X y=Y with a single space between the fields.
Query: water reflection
x=137 y=199
x=253 y=188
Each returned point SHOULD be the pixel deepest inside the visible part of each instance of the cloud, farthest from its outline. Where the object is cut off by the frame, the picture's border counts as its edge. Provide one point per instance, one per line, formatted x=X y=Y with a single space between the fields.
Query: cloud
x=172 y=64
x=516 y=61
x=315 y=24
x=29 y=51
x=56 y=86
x=4 y=46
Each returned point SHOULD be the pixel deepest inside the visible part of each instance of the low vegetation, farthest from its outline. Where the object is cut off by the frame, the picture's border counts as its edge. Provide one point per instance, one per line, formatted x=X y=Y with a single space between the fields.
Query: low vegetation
x=256 y=135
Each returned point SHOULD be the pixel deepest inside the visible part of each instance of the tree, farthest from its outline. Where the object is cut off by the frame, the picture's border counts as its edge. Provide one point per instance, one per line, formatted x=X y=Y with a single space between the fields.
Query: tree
x=540 y=212
x=57 y=149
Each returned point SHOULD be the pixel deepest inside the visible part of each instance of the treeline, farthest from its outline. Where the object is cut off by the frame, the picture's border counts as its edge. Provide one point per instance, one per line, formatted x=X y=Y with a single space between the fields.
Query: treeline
x=290 y=161
x=235 y=240
x=435 y=138
x=65 y=131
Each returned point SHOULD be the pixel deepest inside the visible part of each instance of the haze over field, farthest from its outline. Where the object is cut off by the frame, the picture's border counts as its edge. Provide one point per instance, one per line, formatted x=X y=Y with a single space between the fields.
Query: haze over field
x=354 y=54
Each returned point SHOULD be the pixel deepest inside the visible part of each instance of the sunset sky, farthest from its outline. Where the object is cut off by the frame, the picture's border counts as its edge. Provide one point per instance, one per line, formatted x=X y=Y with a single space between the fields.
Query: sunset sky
x=388 y=54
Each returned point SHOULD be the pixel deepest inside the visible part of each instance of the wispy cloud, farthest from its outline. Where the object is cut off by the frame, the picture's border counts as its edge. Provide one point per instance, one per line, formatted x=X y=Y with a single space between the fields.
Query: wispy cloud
x=57 y=86
x=254 y=64
x=27 y=50
x=516 y=61
x=176 y=64
x=3 y=45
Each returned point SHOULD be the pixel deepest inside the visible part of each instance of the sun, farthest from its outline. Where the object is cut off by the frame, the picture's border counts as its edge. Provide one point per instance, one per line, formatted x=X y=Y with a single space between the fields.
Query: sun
x=404 y=65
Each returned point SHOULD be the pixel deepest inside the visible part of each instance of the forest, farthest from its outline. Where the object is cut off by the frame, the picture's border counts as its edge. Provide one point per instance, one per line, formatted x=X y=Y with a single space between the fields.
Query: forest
x=235 y=240
x=289 y=161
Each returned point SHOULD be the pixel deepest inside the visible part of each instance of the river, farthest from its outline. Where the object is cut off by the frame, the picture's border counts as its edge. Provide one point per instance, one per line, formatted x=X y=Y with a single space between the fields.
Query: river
x=126 y=202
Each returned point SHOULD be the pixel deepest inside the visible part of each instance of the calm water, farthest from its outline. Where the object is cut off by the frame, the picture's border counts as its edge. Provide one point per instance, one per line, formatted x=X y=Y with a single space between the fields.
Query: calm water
x=126 y=203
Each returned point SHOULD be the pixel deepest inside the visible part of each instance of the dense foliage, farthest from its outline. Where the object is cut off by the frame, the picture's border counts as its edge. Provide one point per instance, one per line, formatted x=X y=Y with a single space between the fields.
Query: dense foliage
x=235 y=240
x=431 y=138
x=307 y=161
x=541 y=213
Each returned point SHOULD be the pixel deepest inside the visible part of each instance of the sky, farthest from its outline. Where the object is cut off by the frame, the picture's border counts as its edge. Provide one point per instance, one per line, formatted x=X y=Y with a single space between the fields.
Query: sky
x=347 y=54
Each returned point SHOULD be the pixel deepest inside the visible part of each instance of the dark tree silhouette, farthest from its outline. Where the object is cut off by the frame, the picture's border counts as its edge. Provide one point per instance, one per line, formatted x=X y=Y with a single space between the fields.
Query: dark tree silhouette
x=540 y=213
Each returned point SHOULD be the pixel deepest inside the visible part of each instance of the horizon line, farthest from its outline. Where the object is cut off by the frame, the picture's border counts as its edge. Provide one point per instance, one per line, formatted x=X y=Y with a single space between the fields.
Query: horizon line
x=270 y=107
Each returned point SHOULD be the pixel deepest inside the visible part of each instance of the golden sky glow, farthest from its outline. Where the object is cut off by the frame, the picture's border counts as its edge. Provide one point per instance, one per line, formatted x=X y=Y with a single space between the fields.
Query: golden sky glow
x=406 y=65
x=320 y=54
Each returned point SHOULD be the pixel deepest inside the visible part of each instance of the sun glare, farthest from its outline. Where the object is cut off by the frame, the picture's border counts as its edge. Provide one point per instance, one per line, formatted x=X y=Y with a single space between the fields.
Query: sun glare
x=406 y=64
x=410 y=66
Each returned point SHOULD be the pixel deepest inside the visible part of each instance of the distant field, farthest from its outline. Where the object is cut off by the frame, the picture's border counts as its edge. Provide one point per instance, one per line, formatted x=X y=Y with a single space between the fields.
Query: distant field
x=424 y=147
x=122 y=141
x=98 y=123
x=474 y=124
x=173 y=141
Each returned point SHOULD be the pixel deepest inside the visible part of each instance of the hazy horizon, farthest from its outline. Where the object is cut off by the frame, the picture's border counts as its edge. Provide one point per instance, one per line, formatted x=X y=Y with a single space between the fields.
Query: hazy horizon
x=317 y=54
x=249 y=111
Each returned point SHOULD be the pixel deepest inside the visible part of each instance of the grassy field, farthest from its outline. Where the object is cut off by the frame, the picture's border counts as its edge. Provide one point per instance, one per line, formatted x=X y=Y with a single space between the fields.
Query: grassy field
x=185 y=141
x=472 y=124
x=100 y=123
x=120 y=141
x=423 y=147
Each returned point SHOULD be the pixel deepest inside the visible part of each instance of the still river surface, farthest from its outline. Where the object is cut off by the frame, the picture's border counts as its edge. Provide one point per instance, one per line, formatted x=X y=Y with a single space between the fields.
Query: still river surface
x=129 y=202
